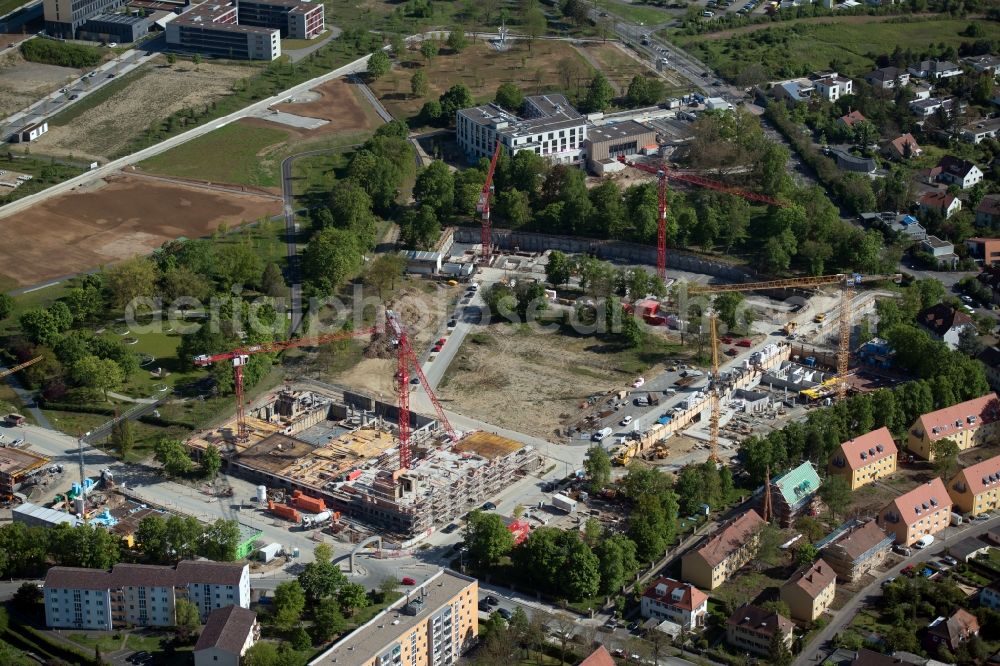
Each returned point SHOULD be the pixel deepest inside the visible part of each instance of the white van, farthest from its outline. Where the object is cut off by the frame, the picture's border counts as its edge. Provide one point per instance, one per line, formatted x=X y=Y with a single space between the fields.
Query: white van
x=602 y=433
x=924 y=541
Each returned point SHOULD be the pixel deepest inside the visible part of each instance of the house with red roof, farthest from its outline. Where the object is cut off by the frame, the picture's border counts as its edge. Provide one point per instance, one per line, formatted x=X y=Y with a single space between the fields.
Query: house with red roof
x=967 y=424
x=976 y=489
x=925 y=510
x=681 y=603
x=852 y=118
x=865 y=459
x=940 y=201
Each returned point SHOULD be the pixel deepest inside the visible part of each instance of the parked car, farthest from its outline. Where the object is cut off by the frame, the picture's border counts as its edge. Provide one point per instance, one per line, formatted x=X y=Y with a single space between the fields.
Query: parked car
x=638 y=382
x=950 y=560
x=489 y=506
x=504 y=613
x=72 y=97
x=452 y=323
x=744 y=343
x=451 y=527
x=732 y=351
x=409 y=581
x=491 y=600
x=483 y=606
x=625 y=421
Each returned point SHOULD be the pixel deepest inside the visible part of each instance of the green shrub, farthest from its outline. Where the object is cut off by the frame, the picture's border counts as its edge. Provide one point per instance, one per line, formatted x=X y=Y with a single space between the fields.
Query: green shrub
x=52 y=52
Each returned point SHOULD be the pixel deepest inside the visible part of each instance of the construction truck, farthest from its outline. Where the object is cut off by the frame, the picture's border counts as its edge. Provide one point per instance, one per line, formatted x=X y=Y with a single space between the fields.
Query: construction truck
x=626 y=453
x=820 y=317
x=789 y=328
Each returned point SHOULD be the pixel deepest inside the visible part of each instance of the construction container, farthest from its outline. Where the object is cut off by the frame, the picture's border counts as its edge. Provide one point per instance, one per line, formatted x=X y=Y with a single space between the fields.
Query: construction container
x=306 y=503
x=269 y=552
x=262 y=494
x=564 y=503
x=284 y=511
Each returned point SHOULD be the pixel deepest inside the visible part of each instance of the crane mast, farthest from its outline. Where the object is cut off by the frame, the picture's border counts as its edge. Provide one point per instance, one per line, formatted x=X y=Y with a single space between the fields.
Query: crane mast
x=483 y=206
x=716 y=407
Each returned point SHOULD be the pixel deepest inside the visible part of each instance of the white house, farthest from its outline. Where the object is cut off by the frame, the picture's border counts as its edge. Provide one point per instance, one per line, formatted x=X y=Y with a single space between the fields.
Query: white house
x=30 y=132
x=227 y=635
x=981 y=129
x=956 y=171
x=924 y=108
x=887 y=78
x=833 y=86
x=935 y=69
x=940 y=201
x=681 y=603
x=944 y=323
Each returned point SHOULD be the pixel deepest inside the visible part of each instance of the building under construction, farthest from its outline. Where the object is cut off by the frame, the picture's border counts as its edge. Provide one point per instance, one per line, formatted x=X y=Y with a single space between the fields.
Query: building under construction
x=16 y=467
x=346 y=452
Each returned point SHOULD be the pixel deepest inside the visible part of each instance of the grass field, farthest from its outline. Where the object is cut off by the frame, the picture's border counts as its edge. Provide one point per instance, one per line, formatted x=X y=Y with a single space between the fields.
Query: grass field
x=7 y=6
x=636 y=13
x=482 y=69
x=94 y=99
x=806 y=47
x=236 y=153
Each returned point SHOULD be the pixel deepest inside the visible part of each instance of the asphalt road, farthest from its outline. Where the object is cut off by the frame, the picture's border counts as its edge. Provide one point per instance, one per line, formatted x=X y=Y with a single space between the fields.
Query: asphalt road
x=818 y=648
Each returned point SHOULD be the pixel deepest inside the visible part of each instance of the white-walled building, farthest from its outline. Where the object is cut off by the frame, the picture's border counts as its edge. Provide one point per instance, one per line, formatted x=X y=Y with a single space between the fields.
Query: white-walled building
x=833 y=86
x=139 y=594
x=227 y=635
x=681 y=603
x=551 y=127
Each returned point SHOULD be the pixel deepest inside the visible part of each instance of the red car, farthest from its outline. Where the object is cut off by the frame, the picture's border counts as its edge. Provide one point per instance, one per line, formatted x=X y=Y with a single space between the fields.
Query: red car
x=744 y=343
x=408 y=581
x=907 y=570
x=442 y=341
x=436 y=347
x=726 y=340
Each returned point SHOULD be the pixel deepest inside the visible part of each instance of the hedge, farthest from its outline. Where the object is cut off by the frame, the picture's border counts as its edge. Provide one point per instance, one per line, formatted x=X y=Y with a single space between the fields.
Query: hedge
x=52 y=52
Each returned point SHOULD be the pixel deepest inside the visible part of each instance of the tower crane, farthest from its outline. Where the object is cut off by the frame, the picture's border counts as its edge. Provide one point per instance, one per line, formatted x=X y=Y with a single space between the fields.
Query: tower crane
x=847 y=281
x=21 y=366
x=483 y=205
x=241 y=356
x=663 y=174
x=713 y=423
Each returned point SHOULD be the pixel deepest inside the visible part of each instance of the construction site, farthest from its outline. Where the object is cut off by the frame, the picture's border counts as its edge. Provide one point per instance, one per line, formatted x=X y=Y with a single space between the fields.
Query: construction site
x=337 y=457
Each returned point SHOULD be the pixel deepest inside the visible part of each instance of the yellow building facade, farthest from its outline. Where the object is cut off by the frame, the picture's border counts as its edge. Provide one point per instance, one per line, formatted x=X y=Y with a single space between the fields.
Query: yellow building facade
x=865 y=459
x=968 y=424
x=710 y=564
x=810 y=591
x=976 y=489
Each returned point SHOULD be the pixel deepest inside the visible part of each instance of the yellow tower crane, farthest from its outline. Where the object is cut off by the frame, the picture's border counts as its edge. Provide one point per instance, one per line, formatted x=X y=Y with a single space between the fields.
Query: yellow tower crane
x=713 y=432
x=847 y=281
x=22 y=366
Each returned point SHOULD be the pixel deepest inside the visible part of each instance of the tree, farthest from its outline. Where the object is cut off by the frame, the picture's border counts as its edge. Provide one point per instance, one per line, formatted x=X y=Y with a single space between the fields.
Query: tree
x=864 y=133
x=272 y=282
x=727 y=305
x=534 y=24
x=649 y=529
x=238 y=264
x=419 y=84
x=289 y=602
x=196 y=59
x=6 y=305
x=515 y=206
x=435 y=187
x=39 y=326
x=806 y=554
x=557 y=270
x=378 y=65
x=643 y=91
x=320 y=580
x=261 y=653
x=299 y=639
x=327 y=620
x=211 y=462
x=968 y=341
x=131 y=279
x=171 y=59
x=457 y=40
x=182 y=536
x=778 y=652
x=97 y=373
x=487 y=538
x=173 y=456
x=769 y=540
x=388 y=587
x=455 y=98
x=944 y=453
x=510 y=97
x=836 y=494
x=187 y=618
x=151 y=535
x=220 y=540
x=123 y=437
x=616 y=555
x=599 y=94
x=352 y=597
x=598 y=466
x=383 y=272
x=330 y=257
x=429 y=50
x=580 y=576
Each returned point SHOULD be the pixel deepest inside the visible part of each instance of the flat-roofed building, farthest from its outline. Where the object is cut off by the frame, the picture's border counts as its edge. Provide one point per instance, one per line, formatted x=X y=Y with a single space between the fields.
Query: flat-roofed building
x=33 y=515
x=967 y=424
x=16 y=466
x=976 y=489
x=606 y=143
x=925 y=510
x=432 y=626
x=214 y=29
x=295 y=19
x=63 y=18
x=858 y=550
x=865 y=459
x=810 y=591
x=711 y=563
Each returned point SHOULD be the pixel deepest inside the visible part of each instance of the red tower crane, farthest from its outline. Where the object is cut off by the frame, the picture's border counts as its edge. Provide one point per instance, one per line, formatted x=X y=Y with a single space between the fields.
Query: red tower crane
x=483 y=206
x=663 y=175
x=239 y=358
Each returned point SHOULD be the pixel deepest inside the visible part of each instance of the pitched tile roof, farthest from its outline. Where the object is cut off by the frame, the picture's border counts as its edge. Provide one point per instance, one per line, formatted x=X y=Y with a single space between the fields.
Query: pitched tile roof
x=980 y=477
x=957 y=628
x=852 y=117
x=900 y=143
x=866 y=657
x=813 y=578
x=868 y=448
x=599 y=657
x=950 y=420
x=941 y=318
x=916 y=504
x=859 y=541
x=78 y=578
x=885 y=74
x=214 y=573
x=729 y=539
x=759 y=620
x=798 y=484
x=990 y=205
x=227 y=629
x=675 y=593
x=956 y=166
x=146 y=575
x=937 y=199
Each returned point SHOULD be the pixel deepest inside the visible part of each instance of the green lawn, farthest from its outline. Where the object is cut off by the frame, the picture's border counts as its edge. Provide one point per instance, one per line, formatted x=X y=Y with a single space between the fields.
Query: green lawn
x=787 y=51
x=45 y=173
x=236 y=153
x=294 y=44
x=636 y=13
x=7 y=6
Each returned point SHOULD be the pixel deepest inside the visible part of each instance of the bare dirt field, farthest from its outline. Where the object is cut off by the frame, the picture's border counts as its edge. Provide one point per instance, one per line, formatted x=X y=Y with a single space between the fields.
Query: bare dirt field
x=105 y=129
x=123 y=218
x=527 y=381
x=338 y=102
x=23 y=82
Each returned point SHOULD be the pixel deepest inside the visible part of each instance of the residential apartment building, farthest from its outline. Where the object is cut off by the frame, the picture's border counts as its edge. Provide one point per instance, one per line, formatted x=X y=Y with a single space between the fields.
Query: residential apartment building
x=228 y=634
x=793 y=492
x=810 y=591
x=887 y=78
x=986 y=251
x=925 y=510
x=976 y=489
x=139 y=594
x=432 y=625
x=714 y=560
x=865 y=459
x=681 y=603
x=551 y=127
x=967 y=424
x=752 y=628
x=857 y=550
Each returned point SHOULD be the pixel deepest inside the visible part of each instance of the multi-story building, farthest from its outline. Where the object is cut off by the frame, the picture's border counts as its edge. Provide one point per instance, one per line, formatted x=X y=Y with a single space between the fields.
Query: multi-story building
x=810 y=591
x=864 y=459
x=681 y=603
x=295 y=19
x=139 y=594
x=857 y=550
x=752 y=628
x=952 y=631
x=833 y=86
x=925 y=510
x=432 y=626
x=712 y=562
x=968 y=424
x=792 y=493
x=214 y=30
x=551 y=127
x=976 y=489
x=228 y=634
x=887 y=78
x=64 y=17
